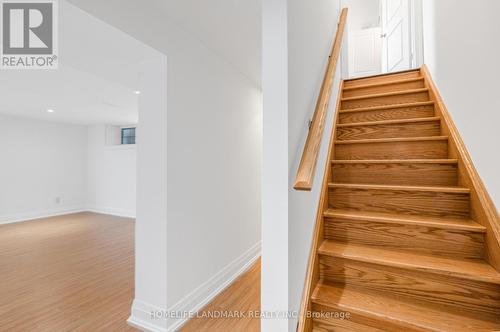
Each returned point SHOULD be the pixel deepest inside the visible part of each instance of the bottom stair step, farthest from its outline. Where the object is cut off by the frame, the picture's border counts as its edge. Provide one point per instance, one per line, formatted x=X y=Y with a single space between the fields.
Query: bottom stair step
x=377 y=310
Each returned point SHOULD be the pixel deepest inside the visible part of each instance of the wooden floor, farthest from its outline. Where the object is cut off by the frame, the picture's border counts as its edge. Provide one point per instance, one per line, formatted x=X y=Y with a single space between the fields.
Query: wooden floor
x=68 y=273
x=76 y=273
x=242 y=296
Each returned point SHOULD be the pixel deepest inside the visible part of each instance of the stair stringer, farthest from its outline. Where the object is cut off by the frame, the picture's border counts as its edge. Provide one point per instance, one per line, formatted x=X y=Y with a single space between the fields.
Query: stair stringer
x=312 y=272
x=482 y=207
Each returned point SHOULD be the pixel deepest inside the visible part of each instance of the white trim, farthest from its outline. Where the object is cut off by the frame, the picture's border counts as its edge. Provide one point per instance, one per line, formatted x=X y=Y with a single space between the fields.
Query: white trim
x=31 y=216
x=27 y=216
x=141 y=317
x=417 y=33
x=120 y=147
x=206 y=292
x=112 y=211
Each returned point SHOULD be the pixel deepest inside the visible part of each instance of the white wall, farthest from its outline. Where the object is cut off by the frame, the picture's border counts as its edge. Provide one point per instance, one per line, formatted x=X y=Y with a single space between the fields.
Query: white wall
x=111 y=175
x=214 y=159
x=462 y=51
x=298 y=37
x=151 y=222
x=274 y=274
x=311 y=29
x=363 y=14
x=213 y=137
x=41 y=161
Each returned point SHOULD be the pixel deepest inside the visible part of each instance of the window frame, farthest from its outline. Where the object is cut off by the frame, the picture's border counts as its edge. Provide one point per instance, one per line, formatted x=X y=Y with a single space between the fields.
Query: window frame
x=122 y=136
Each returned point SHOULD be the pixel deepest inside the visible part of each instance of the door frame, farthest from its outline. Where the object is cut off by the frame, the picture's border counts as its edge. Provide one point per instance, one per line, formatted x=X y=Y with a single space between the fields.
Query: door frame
x=417 y=33
x=416 y=37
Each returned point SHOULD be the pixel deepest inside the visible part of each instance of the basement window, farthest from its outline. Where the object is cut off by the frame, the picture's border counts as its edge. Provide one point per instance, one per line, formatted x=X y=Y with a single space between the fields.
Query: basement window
x=128 y=135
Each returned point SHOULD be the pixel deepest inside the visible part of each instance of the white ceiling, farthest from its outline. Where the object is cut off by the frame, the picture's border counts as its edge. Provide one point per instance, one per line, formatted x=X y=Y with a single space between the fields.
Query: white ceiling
x=91 y=45
x=230 y=28
x=76 y=96
x=95 y=82
x=100 y=65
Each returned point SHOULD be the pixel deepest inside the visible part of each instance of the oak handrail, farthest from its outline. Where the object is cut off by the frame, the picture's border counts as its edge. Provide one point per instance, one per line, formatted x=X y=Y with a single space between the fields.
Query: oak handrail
x=307 y=166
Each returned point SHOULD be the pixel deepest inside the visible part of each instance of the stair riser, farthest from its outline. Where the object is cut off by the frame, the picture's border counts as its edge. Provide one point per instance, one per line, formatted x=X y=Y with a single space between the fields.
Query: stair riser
x=340 y=325
x=418 y=174
x=364 y=320
x=403 y=130
x=383 y=89
x=442 y=290
x=387 y=114
x=421 y=239
x=382 y=79
x=435 y=204
x=393 y=150
x=386 y=100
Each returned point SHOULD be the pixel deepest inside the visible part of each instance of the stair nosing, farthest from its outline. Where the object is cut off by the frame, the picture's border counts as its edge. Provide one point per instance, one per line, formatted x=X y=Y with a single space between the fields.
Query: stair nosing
x=445 y=189
x=402 y=81
x=386 y=94
x=384 y=122
x=402 y=219
x=389 y=140
x=408 y=266
x=389 y=106
x=394 y=161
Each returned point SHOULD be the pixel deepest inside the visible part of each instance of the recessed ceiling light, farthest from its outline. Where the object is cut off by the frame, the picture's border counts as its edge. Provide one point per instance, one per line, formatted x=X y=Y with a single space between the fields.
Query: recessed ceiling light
x=137 y=92
x=50 y=111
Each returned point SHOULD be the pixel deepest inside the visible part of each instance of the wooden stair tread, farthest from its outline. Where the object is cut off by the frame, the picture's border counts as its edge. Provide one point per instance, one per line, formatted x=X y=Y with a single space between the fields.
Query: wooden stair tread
x=377 y=108
x=455 y=190
x=386 y=94
x=377 y=306
x=472 y=269
x=396 y=161
x=389 y=140
x=370 y=85
x=443 y=223
x=385 y=122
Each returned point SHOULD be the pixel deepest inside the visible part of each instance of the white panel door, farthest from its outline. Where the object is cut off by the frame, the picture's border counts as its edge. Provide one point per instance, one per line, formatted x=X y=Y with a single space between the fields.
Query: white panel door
x=396 y=46
x=364 y=52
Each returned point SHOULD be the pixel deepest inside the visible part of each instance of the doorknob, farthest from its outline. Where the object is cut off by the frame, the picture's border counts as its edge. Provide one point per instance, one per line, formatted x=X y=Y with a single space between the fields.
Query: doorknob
x=383 y=35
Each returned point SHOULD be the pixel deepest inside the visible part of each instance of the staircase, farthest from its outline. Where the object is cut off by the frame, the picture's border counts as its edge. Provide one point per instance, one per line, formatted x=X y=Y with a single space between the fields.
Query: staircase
x=402 y=243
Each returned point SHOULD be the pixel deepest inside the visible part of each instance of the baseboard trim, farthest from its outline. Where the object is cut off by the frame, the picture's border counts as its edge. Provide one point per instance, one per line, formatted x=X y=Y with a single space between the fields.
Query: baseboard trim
x=21 y=217
x=15 y=218
x=206 y=292
x=112 y=211
x=141 y=317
